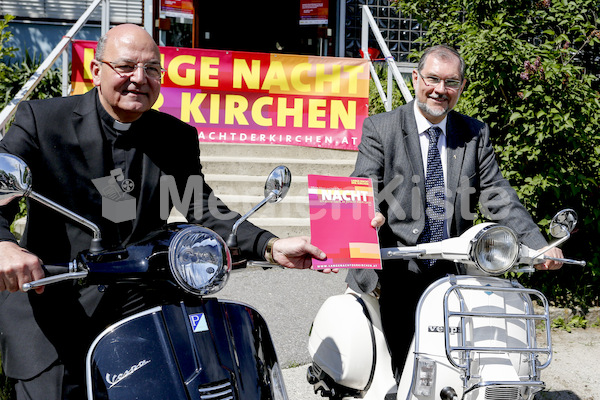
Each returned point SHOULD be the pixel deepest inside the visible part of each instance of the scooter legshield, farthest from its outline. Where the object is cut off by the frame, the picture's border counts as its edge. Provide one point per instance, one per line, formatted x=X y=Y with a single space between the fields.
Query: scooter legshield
x=209 y=349
x=348 y=349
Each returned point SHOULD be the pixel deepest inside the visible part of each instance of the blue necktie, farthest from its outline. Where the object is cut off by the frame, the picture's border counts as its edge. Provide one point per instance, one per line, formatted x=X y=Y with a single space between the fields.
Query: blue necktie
x=434 y=193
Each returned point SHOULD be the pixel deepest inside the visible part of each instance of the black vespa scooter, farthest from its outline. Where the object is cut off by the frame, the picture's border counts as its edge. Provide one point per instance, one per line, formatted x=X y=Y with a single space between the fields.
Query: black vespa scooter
x=189 y=346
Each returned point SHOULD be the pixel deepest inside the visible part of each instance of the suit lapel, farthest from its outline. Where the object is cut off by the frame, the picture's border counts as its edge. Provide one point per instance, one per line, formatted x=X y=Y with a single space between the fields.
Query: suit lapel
x=455 y=146
x=413 y=151
x=87 y=128
x=150 y=180
x=151 y=148
x=456 y=153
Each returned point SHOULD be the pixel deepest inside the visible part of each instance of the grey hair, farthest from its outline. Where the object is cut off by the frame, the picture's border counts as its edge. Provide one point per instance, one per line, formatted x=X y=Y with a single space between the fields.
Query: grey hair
x=442 y=51
x=100 y=47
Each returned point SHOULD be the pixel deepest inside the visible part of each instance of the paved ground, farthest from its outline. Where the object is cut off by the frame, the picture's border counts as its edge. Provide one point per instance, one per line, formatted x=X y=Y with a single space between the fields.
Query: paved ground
x=573 y=373
x=289 y=299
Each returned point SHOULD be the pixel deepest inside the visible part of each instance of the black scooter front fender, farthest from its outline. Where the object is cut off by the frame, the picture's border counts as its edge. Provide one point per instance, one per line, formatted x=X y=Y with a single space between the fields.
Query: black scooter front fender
x=201 y=349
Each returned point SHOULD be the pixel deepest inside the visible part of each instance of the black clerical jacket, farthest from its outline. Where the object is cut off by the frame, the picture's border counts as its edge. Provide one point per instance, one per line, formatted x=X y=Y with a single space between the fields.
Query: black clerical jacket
x=62 y=141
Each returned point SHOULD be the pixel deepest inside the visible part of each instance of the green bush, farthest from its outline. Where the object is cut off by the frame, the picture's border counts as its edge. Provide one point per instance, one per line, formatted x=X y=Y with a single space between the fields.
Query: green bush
x=5 y=51
x=533 y=73
x=16 y=75
x=376 y=105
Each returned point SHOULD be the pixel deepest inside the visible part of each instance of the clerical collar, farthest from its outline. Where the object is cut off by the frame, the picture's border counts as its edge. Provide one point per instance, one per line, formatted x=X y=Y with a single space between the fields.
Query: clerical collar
x=114 y=126
x=121 y=126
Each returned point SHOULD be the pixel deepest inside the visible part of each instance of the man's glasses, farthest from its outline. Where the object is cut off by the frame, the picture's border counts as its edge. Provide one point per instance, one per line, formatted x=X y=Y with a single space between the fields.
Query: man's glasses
x=153 y=71
x=434 y=81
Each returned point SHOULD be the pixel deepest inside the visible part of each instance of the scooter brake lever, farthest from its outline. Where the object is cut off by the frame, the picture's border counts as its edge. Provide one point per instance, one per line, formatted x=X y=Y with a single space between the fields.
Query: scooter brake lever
x=541 y=260
x=566 y=261
x=54 y=279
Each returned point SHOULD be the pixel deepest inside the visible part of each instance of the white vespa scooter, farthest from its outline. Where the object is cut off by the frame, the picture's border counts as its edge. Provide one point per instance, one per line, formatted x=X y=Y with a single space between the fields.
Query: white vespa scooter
x=475 y=334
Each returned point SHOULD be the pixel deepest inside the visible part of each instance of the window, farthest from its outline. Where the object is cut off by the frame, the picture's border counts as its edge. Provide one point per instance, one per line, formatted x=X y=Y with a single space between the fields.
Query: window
x=121 y=11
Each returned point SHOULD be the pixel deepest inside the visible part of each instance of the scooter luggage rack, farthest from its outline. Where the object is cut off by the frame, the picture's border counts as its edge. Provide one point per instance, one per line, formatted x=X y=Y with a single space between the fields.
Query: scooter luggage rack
x=529 y=318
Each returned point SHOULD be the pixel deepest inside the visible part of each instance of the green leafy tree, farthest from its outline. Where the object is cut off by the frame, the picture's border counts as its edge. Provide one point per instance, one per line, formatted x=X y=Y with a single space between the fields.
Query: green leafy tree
x=5 y=51
x=18 y=73
x=376 y=105
x=533 y=73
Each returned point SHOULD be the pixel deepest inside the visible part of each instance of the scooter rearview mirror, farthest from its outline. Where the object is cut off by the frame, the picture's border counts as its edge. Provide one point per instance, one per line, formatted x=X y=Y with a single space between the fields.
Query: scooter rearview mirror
x=561 y=227
x=278 y=183
x=563 y=223
x=15 y=178
x=15 y=182
x=276 y=187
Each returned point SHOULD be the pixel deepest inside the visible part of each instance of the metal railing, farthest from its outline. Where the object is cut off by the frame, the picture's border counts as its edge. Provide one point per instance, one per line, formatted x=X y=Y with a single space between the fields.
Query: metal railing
x=393 y=70
x=60 y=49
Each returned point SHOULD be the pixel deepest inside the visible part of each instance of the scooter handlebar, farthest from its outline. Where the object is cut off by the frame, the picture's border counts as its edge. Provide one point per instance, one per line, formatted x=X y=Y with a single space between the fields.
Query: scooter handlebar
x=566 y=261
x=261 y=264
x=55 y=274
x=532 y=257
x=52 y=270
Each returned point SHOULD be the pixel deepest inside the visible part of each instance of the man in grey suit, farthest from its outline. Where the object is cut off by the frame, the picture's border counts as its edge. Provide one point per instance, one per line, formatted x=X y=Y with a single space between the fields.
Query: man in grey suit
x=395 y=152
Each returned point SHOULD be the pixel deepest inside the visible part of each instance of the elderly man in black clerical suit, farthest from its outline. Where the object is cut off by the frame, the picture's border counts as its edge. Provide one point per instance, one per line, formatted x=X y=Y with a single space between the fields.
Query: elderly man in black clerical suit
x=68 y=142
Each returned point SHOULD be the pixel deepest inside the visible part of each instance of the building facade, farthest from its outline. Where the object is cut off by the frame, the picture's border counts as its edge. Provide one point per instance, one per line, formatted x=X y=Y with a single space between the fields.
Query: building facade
x=310 y=27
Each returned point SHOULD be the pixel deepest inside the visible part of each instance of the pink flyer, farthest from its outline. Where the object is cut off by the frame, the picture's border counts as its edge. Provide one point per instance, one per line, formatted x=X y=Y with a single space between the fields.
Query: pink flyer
x=341 y=210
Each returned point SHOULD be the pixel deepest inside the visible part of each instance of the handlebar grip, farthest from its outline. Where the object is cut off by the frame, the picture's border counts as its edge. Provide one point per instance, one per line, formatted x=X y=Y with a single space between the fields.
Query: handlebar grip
x=50 y=270
x=261 y=264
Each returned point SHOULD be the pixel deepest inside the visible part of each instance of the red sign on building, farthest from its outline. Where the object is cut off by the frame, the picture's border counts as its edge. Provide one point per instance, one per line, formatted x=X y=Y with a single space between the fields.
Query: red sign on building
x=314 y=12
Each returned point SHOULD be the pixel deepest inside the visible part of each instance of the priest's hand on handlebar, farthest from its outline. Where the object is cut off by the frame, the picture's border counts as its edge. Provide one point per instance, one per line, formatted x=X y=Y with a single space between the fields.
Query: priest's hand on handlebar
x=17 y=267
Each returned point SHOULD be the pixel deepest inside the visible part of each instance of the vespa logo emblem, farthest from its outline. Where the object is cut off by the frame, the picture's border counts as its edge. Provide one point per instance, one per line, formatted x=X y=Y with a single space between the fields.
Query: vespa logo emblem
x=441 y=329
x=115 y=379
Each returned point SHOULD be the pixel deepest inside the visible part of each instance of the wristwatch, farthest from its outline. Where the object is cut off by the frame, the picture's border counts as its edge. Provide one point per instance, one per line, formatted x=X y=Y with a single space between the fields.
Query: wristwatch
x=269 y=251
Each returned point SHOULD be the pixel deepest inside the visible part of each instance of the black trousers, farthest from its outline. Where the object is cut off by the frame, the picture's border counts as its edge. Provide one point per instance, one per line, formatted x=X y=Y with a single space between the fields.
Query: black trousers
x=402 y=284
x=55 y=383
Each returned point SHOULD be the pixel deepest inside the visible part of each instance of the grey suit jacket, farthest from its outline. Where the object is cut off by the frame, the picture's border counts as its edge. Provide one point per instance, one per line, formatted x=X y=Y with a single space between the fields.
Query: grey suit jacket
x=390 y=154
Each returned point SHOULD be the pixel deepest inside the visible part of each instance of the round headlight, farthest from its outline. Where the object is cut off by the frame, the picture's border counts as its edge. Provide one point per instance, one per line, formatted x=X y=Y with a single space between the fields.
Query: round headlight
x=199 y=260
x=495 y=249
